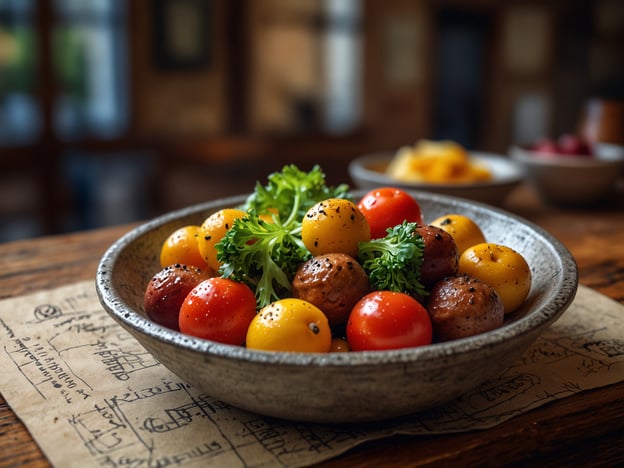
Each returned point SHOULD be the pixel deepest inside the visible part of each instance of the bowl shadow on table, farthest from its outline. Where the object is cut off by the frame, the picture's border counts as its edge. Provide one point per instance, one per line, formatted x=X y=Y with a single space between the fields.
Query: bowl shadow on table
x=340 y=387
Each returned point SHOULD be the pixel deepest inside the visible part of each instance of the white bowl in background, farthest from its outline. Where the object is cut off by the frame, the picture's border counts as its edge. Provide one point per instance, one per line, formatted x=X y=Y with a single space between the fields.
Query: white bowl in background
x=368 y=172
x=572 y=180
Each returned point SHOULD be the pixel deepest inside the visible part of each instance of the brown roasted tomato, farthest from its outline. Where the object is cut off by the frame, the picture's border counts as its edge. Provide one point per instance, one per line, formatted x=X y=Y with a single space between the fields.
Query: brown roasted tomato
x=333 y=282
x=462 y=306
x=440 y=256
x=167 y=290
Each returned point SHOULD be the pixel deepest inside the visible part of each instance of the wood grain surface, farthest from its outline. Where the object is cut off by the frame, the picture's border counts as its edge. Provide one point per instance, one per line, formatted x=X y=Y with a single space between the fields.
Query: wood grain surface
x=584 y=430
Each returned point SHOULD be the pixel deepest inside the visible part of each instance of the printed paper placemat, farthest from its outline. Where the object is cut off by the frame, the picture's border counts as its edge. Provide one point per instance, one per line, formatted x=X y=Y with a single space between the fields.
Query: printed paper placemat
x=91 y=395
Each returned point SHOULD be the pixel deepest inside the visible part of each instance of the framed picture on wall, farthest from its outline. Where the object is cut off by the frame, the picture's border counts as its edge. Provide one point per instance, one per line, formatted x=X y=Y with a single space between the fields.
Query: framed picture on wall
x=182 y=39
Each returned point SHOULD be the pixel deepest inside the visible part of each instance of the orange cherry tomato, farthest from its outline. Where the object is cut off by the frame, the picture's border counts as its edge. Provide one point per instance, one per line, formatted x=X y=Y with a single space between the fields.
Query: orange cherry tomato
x=181 y=248
x=212 y=231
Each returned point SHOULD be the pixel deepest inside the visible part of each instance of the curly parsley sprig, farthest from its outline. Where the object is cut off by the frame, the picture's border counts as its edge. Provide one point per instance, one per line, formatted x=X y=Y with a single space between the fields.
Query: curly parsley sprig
x=393 y=262
x=291 y=192
x=265 y=255
x=262 y=255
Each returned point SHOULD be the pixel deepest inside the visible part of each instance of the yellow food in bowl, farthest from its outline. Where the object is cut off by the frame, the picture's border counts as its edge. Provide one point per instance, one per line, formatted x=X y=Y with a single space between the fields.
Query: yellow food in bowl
x=436 y=162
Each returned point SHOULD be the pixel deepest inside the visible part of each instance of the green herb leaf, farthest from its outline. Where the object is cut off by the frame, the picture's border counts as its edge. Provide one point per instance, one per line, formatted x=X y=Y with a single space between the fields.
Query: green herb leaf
x=393 y=262
x=292 y=192
x=265 y=255
x=262 y=255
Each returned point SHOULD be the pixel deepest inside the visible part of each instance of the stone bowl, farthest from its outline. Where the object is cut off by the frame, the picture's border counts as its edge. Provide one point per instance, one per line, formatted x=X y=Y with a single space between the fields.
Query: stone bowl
x=369 y=172
x=340 y=387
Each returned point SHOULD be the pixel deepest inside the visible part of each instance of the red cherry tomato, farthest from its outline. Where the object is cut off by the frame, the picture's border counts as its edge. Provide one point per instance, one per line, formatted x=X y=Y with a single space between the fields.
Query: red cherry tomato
x=388 y=320
x=218 y=309
x=386 y=207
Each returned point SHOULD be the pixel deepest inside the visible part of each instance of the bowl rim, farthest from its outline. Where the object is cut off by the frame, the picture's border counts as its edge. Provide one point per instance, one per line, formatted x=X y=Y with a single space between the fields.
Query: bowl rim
x=358 y=168
x=523 y=154
x=545 y=314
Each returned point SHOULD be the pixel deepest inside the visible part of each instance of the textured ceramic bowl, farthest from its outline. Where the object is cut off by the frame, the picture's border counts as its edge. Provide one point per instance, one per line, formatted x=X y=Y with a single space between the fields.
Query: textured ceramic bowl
x=368 y=172
x=573 y=180
x=340 y=387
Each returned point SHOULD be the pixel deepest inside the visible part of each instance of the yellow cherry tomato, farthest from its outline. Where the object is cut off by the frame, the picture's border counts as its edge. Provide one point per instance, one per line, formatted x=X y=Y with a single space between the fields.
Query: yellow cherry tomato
x=464 y=231
x=335 y=225
x=212 y=231
x=181 y=247
x=291 y=325
x=502 y=268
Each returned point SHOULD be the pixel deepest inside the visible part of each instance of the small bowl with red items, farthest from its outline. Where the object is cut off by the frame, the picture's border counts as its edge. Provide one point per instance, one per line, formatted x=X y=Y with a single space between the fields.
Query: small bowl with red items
x=571 y=171
x=305 y=250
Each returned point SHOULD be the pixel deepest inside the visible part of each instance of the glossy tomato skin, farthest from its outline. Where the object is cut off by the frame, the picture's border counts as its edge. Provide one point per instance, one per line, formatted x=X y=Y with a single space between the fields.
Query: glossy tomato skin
x=212 y=231
x=335 y=225
x=502 y=267
x=290 y=325
x=181 y=248
x=386 y=207
x=167 y=290
x=388 y=320
x=218 y=309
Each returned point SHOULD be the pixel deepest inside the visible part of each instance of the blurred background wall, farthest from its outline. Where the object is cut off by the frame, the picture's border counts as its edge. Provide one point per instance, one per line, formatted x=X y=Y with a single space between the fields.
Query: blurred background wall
x=113 y=111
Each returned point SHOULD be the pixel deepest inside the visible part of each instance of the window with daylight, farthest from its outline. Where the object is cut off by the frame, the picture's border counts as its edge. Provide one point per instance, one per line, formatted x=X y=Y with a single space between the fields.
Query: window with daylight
x=88 y=89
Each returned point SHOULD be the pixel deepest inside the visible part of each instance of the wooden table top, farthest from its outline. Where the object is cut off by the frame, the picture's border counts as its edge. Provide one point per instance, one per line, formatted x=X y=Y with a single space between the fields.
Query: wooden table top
x=584 y=429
